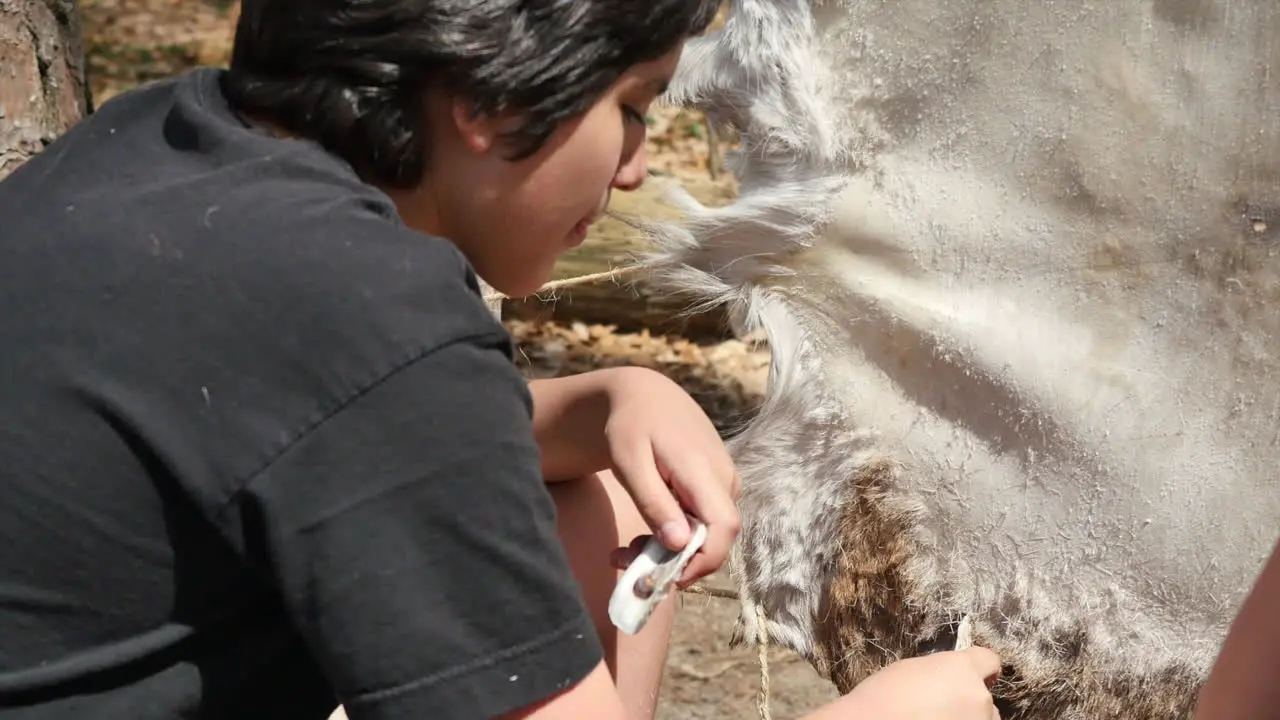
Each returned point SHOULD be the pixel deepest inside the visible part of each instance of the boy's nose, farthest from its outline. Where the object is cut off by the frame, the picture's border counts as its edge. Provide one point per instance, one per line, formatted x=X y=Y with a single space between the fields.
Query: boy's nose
x=631 y=173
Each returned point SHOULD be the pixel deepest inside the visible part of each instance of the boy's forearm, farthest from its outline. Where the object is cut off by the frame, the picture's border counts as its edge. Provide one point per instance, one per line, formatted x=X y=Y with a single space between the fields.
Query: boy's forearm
x=569 y=416
x=1243 y=683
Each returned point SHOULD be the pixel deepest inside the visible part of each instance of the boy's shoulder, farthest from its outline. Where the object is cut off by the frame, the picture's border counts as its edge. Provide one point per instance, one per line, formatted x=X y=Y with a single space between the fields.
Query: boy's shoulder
x=237 y=285
x=165 y=187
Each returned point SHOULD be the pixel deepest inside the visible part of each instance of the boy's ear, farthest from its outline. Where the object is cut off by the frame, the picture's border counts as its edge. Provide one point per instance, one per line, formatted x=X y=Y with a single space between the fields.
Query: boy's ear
x=481 y=132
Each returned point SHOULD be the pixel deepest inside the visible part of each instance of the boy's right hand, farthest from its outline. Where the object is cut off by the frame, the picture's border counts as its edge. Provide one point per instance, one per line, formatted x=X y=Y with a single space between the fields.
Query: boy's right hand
x=953 y=685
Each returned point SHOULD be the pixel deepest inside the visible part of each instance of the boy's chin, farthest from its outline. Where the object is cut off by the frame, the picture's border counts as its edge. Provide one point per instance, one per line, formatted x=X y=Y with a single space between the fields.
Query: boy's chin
x=521 y=283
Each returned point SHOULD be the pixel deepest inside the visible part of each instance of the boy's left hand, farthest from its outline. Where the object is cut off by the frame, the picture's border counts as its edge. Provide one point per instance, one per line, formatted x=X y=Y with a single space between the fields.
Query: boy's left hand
x=667 y=454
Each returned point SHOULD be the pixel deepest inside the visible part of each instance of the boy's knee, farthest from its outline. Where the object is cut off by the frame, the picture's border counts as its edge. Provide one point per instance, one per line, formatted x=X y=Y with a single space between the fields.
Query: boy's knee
x=597 y=511
x=627 y=519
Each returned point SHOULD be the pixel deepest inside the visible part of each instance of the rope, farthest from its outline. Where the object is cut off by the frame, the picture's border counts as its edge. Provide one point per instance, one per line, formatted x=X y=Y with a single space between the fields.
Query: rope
x=762 y=648
x=762 y=654
x=614 y=274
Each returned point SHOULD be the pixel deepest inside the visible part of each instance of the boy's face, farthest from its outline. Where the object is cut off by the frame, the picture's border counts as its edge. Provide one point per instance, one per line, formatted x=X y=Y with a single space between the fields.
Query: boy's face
x=513 y=219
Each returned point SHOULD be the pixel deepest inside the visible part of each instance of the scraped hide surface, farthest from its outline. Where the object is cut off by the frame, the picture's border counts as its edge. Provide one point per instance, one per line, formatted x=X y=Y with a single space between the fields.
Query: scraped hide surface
x=1017 y=264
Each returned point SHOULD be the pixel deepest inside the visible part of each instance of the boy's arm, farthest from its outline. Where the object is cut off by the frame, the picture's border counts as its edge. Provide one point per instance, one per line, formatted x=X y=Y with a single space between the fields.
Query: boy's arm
x=1243 y=681
x=569 y=416
x=957 y=683
x=594 y=697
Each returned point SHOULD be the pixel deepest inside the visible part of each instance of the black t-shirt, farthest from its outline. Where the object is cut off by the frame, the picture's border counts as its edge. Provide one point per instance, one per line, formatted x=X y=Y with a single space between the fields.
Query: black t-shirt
x=262 y=446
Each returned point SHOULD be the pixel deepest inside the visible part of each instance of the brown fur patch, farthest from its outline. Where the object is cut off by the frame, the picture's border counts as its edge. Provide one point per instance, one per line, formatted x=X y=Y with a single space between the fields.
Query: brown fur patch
x=1083 y=692
x=864 y=619
x=1052 y=673
x=872 y=614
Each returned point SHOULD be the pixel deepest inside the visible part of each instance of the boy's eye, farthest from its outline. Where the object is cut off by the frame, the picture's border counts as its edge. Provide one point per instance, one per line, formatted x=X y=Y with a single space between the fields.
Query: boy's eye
x=633 y=114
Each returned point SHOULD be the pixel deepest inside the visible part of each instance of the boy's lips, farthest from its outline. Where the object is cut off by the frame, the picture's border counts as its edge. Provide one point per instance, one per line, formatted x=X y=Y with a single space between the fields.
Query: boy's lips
x=579 y=232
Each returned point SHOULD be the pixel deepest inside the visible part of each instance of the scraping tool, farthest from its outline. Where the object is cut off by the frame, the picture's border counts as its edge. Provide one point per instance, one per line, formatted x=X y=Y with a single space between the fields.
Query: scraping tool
x=648 y=580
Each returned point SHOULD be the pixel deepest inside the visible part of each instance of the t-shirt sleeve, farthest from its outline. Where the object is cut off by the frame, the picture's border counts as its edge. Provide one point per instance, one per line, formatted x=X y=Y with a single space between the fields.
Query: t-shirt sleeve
x=415 y=547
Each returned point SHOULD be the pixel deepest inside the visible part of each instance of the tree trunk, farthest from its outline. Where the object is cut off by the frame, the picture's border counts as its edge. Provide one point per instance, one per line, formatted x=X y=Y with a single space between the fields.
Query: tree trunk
x=42 y=81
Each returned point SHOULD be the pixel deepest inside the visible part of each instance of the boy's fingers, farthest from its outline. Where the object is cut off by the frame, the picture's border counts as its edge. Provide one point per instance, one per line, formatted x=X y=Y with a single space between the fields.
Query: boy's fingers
x=985 y=661
x=621 y=558
x=711 y=501
x=635 y=467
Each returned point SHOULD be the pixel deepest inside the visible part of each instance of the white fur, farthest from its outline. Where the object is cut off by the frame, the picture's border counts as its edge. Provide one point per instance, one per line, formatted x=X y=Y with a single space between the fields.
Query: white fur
x=1026 y=251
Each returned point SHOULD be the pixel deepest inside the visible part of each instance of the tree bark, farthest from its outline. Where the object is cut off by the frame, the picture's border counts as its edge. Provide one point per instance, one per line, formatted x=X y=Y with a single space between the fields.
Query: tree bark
x=42 y=76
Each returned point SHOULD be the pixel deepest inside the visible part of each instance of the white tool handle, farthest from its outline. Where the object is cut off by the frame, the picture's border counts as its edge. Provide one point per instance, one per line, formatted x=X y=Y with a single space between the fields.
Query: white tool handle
x=649 y=579
x=964 y=633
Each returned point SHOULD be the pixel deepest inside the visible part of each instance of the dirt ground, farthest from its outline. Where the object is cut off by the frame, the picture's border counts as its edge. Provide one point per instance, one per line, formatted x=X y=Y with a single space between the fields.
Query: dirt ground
x=707 y=680
x=133 y=41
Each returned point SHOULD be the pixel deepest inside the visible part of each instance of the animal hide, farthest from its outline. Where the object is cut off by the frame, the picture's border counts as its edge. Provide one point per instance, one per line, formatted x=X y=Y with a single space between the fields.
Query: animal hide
x=1014 y=261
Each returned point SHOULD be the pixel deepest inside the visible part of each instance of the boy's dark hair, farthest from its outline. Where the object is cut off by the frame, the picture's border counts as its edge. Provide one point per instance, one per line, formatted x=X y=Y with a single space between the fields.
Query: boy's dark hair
x=350 y=74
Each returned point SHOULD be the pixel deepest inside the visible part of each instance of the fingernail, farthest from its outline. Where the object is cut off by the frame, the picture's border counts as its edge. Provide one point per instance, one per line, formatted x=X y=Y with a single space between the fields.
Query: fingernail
x=686 y=577
x=675 y=532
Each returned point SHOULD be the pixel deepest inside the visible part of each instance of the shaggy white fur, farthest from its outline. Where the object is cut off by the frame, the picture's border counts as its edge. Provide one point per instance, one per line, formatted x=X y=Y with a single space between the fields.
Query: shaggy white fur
x=1024 y=252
